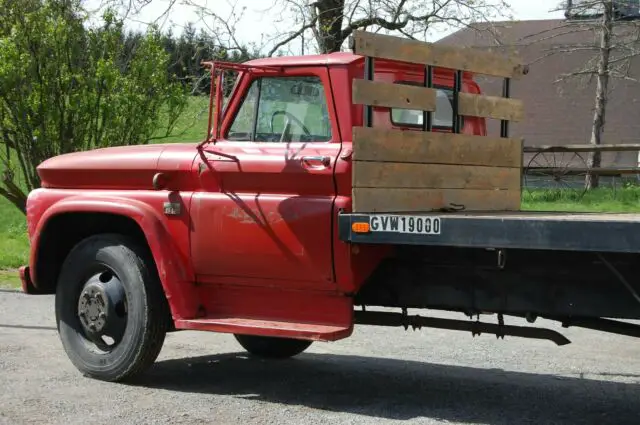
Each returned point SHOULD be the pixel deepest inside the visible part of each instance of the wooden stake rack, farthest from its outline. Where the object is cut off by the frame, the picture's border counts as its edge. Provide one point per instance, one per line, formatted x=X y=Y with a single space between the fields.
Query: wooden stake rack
x=422 y=171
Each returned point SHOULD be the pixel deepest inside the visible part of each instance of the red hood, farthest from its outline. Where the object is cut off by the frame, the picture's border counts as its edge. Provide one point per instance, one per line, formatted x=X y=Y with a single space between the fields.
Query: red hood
x=122 y=167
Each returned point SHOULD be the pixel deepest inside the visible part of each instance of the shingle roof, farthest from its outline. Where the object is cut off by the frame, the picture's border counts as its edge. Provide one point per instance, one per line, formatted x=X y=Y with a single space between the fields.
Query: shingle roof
x=558 y=113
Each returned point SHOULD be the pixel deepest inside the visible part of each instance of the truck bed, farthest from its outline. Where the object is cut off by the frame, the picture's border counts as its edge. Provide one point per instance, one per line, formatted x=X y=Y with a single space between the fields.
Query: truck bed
x=563 y=231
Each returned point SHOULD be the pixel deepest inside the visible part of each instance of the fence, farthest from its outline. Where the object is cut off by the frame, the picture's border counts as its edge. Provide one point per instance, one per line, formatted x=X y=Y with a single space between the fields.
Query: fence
x=565 y=167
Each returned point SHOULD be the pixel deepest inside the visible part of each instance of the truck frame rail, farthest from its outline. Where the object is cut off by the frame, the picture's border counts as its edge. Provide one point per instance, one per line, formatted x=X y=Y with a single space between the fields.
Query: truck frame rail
x=592 y=232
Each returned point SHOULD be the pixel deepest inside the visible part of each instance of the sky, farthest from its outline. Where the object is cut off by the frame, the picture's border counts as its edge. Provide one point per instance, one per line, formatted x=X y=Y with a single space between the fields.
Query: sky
x=260 y=18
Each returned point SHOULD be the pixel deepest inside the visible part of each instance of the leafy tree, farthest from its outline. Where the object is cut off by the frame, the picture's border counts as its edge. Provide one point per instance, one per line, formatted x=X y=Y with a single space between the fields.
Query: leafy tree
x=67 y=86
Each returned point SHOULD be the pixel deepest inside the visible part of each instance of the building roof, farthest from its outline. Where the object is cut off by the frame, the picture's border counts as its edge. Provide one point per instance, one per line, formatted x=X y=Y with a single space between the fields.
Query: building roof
x=558 y=112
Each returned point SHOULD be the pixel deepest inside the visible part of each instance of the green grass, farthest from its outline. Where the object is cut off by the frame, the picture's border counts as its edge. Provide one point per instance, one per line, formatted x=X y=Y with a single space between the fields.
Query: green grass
x=9 y=279
x=598 y=200
x=192 y=124
x=14 y=245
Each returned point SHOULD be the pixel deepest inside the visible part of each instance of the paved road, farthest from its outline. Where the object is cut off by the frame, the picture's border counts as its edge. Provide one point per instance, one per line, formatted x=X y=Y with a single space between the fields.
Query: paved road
x=377 y=376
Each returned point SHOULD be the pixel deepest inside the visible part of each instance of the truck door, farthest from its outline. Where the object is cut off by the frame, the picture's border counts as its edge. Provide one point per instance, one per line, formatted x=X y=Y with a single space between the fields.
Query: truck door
x=265 y=215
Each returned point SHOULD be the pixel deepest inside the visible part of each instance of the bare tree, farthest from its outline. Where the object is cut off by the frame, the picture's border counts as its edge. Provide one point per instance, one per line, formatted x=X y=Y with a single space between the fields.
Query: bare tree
x=332 y=21
x=602 y=85
x=323 y=26
x=610 y=29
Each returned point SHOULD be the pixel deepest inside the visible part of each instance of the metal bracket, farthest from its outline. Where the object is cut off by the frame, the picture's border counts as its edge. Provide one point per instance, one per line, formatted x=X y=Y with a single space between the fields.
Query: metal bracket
x=502 y=258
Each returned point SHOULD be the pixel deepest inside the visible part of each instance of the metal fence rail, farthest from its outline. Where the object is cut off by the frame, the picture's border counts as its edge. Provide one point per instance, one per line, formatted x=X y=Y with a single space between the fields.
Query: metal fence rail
x=565 y=167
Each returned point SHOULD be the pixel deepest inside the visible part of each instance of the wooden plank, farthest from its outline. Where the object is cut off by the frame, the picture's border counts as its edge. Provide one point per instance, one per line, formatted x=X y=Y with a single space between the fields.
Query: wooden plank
x=622 y=147
x=458 y=58
x=391 y=95
x=377 y=144
x=476 y=105
x=434 y=176
x=372 y=200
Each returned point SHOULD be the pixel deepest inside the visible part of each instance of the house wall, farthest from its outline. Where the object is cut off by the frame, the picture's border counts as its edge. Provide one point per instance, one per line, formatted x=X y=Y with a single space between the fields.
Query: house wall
x=560 y=112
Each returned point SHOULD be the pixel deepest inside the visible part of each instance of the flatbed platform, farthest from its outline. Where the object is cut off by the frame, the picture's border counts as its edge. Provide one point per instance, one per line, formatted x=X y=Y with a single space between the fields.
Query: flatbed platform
x=563 y=231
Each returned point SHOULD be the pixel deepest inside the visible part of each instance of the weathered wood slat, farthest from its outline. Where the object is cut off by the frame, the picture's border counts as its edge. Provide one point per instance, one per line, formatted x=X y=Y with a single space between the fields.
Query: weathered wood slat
x=459 y=58
x=476 y=105
x=391 y=95
x=434 y=176
x=377 y=144
x=423 y=200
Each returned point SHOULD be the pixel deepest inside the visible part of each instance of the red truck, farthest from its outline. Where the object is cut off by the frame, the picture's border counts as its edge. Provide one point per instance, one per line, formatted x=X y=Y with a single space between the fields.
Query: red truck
x=264 y=230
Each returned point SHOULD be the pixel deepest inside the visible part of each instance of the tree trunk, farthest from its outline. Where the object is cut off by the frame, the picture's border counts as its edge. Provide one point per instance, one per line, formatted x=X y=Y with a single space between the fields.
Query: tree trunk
x=594 y=159
x=328 y=31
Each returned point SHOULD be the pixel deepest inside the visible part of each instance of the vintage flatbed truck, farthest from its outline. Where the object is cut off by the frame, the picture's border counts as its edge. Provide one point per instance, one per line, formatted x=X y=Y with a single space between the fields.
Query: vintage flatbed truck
x=327 y=186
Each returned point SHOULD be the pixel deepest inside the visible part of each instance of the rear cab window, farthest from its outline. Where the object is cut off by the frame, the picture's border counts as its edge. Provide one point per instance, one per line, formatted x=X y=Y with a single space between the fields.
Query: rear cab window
x=442 y=118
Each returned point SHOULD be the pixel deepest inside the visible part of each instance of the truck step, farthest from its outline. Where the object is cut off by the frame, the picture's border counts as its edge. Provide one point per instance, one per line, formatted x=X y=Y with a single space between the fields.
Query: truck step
x=276 y=328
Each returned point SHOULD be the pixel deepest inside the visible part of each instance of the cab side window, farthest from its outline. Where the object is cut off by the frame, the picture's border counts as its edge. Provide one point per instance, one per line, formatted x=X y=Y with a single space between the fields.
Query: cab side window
x=283 y=109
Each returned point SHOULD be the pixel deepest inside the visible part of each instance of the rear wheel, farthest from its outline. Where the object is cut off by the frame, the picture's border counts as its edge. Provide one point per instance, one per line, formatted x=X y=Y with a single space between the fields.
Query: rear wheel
x=110 y=308
x=272 y=347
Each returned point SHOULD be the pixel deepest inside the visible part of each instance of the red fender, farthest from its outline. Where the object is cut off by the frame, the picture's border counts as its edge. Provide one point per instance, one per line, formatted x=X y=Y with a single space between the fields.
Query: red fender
x=175 y=276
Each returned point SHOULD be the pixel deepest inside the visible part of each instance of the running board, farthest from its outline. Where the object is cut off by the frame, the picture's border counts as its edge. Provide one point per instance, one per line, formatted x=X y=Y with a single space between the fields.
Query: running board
x=476 y=328
x=274 y=328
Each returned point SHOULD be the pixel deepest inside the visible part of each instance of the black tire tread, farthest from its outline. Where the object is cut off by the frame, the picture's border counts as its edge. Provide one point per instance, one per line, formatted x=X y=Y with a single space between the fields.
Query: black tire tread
x=157 y=307
x=272 y=347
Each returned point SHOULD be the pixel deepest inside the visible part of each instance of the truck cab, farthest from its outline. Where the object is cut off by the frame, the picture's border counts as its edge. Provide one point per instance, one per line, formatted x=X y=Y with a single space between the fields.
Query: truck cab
x=283 y=149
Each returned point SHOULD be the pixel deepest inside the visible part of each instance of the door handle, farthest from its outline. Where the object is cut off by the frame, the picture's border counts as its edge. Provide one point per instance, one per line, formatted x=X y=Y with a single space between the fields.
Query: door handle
x=316 y=162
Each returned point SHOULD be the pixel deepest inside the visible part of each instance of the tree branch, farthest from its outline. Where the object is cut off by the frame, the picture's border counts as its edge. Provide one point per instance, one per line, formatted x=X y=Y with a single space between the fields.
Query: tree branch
x=292 y=37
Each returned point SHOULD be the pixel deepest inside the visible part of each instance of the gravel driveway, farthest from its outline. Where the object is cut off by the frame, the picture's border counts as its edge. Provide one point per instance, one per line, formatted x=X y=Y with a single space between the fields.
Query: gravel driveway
x=377 y=376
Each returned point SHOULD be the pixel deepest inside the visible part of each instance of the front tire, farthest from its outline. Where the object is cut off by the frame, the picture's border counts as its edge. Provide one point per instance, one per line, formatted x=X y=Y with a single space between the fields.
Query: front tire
x=272 y=347
x=111 y=311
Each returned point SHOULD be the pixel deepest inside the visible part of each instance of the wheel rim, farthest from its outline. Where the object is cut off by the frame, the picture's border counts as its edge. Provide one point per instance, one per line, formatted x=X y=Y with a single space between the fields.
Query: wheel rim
x=563 y=172
x=102 y=309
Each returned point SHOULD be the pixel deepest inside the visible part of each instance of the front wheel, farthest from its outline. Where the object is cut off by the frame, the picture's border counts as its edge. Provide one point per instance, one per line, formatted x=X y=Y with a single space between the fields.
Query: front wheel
x=110 y=308
x=272 y=347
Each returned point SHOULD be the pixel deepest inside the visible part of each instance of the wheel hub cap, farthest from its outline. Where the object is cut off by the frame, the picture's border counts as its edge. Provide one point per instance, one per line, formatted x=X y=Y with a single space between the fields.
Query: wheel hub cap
x=93 y=308
x=102 y=307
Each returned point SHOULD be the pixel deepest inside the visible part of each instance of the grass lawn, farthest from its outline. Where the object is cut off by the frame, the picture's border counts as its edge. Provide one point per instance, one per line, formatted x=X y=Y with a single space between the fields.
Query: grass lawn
x=9 y=279
x=14 y=245
x=192 y=124
x=598 y=200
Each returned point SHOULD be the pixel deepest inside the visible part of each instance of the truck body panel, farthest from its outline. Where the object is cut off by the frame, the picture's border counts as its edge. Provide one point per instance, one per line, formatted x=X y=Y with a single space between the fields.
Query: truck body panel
x=265 y=208
x=165 y=238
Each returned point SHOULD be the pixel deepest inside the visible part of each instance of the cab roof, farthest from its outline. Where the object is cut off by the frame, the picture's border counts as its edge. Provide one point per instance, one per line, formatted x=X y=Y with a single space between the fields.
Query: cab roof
x=338 y=58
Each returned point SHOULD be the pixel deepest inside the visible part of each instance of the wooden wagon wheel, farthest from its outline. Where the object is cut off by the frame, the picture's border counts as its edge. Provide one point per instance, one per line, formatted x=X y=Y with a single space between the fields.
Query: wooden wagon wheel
x=563 y=171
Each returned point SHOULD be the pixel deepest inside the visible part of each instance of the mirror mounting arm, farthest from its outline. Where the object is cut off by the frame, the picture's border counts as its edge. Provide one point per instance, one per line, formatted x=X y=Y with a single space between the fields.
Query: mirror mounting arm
x=215 y=95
